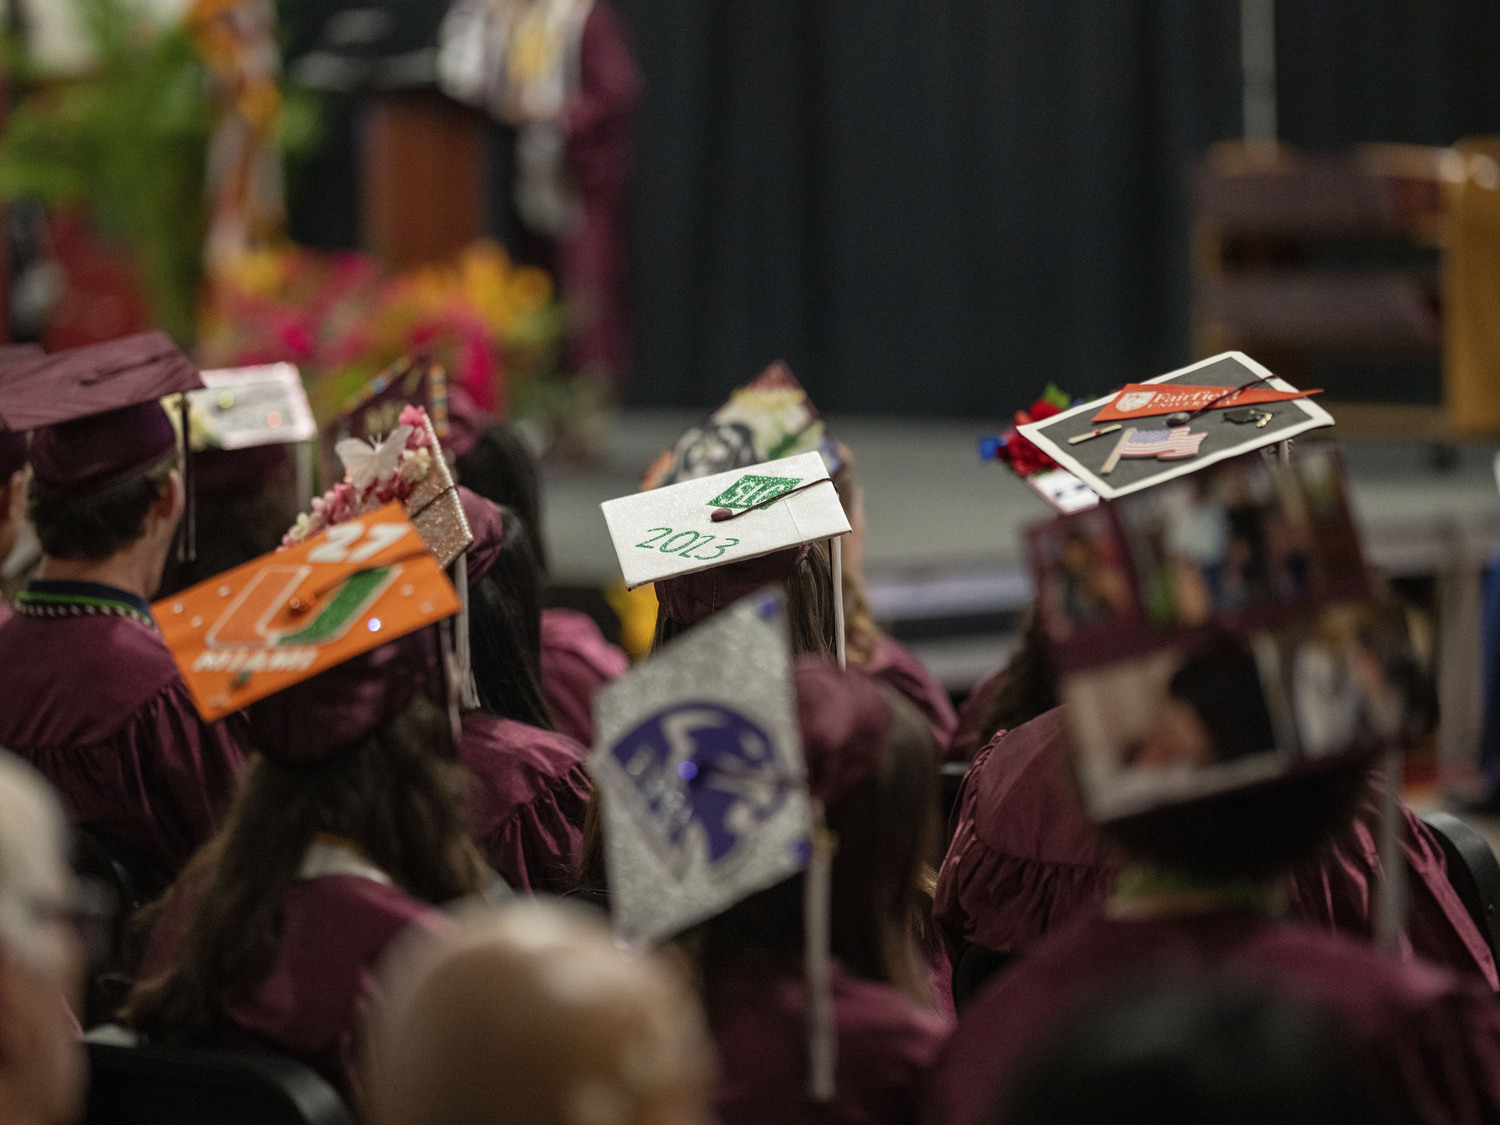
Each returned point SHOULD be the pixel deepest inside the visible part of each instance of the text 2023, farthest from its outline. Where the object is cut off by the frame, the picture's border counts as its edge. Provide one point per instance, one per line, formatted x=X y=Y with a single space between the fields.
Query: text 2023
x=674 y=546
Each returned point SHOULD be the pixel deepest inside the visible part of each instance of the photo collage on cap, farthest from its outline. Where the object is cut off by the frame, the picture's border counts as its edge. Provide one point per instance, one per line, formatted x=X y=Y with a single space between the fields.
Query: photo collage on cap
x=1219 y=631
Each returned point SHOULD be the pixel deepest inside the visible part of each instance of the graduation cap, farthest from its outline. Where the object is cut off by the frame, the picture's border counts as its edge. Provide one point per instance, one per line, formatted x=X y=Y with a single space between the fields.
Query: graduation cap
x=249 y=407
x=297 y=612
x=1217 y=633
x=767 y=419
x=705 y=791
x=13 y=442
x=709 y=541
x=1172 y=425
x=94 y=411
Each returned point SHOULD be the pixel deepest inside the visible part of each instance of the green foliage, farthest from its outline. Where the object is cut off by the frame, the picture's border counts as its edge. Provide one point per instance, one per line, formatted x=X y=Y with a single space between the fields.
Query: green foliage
x=128 y=143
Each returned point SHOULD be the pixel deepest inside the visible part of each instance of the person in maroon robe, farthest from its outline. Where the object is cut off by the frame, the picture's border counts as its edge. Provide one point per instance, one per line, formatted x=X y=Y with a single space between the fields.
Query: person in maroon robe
x=347 y=831
x=576 y=661
x=1018 y=692
x=1024 y=860
x=98 y=705
x=1190 y=902
x=531 y=790
x=490 y=1023
x=869 y=759
x=12 y=497
x=869 y=647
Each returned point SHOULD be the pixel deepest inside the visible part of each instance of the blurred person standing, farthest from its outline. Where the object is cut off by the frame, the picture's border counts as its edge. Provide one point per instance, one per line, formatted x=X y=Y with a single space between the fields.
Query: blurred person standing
x=560 y=73
x=99 y=707
x=533 y=1015
x=42 y=1063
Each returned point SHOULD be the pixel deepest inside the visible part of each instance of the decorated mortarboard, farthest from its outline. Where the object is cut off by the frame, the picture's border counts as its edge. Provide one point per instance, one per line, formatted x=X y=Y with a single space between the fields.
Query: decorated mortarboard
x=726 y=518
x=699 y=761
x=767 y=419
x=1175 y=424
x=298 y=611
x=375 y=408
x=246 y=407
x=405 y=464
x=1216 y=633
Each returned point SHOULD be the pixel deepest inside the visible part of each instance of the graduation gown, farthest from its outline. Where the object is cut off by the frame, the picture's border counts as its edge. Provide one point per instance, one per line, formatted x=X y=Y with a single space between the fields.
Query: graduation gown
x=94 y=701
x=576 y=662
x=335 y=929
x=899 y=669
x=757 y=1006
x=1433 y=1036
x=530 y=791
x=1024 y=859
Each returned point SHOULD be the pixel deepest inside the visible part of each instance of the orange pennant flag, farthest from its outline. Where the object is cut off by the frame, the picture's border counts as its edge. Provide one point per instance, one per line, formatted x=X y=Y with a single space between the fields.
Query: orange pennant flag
x=288 y=615
x=1146 y=400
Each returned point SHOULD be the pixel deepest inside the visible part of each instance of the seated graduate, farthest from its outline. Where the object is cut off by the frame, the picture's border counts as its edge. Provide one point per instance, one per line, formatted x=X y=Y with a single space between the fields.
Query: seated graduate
x=532 y=1015
x=1024 y=859
x=1020 y=691
x=43 y=1070
x=1194 y=1047
x=1217 y=773
x=869 y=647
x=99 y=706
x=869 y=760
x=348 y=829
x=576 y=661
x=531 y=791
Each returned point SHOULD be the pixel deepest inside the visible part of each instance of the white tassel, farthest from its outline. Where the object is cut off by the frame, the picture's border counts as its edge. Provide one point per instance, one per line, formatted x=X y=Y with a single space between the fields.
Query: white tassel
x=822 y=1029
x=468 y=690
x=836 y=559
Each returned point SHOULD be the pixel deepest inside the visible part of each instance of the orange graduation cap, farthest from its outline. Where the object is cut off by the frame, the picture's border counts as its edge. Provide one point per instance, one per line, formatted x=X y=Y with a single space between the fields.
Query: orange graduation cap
x=289 y=615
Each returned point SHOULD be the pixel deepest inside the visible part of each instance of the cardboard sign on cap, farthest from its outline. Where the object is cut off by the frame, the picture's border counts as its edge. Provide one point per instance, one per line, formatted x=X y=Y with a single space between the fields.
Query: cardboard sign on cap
x=244 y=407
x=699 y=761
x=672 y=530
x=1153 y=451
x=288 y=615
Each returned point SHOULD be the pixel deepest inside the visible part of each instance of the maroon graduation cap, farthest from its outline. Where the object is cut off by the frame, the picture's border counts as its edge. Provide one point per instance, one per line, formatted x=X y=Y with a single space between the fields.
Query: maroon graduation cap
x=95 y=413
x=13 y=442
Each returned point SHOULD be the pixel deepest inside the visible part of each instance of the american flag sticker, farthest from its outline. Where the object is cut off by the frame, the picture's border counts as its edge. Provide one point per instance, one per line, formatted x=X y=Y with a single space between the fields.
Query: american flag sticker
x=1166 y=445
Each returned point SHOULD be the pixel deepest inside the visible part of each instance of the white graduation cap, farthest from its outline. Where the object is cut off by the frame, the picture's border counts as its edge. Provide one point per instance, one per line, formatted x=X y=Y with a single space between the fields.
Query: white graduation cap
x=242 y=407
x=673 y=531
x=1118 y=456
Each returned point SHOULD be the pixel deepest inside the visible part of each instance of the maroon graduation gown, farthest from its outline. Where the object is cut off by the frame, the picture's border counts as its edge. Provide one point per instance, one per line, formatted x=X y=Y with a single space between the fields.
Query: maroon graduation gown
x=757 y=1008
x=1024 y=859
x=528 y=800
x=576 y=662
x=899 y=669
x=95 y=703
x=334 y=931
x=1434 y=1035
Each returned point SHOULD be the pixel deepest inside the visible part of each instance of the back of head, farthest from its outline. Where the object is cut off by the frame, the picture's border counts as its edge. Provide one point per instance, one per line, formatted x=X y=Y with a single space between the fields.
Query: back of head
x=41 y=1061
x=1160 y=1051
x=533 y=1015
x=501 y=467
x=505 y=623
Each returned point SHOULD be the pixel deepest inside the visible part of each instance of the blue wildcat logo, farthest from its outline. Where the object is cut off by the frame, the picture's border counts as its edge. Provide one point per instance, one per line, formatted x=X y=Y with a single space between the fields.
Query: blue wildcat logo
x=704 y=764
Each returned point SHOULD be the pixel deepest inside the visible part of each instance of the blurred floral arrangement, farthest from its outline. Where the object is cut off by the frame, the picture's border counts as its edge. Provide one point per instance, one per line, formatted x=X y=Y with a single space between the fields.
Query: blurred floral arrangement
x=1023 y=457
x=127 y=144
x=341 y=318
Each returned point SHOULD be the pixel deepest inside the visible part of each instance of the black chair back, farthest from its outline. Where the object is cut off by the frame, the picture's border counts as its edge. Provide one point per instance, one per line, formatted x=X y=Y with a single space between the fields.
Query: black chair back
x=1473 y=871
x=152 y=1085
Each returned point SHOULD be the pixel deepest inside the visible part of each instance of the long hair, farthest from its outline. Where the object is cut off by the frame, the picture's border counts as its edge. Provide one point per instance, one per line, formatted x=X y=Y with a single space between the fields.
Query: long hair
x=809 y=608
x=502 y=469
x=505 y=631
x=397 y=797
x=886 y=829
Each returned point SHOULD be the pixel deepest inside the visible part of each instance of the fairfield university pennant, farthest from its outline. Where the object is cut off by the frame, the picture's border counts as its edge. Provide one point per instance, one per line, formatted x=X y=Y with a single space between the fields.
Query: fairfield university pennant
x=288 y=615
x=1145 y=400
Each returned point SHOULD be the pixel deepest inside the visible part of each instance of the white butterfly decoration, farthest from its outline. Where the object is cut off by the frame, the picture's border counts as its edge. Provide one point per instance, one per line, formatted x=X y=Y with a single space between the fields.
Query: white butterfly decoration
x=366 y=464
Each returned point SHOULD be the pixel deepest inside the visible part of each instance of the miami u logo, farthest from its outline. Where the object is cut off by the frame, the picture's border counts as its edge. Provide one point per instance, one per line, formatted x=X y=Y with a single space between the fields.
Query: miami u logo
x=246 y=623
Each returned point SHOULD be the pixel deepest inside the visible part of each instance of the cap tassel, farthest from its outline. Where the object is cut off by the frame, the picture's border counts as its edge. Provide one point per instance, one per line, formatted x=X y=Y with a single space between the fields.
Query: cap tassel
x=836 y=564
x=822 y=1031
x=468 y=690
x=187 y=532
